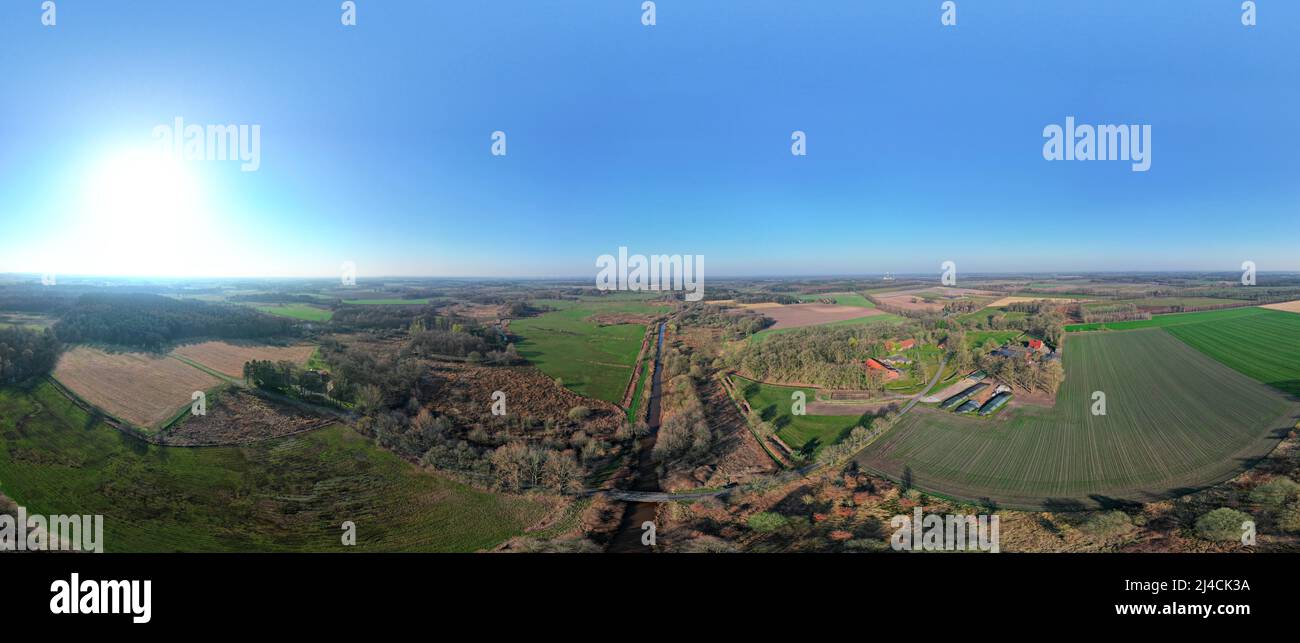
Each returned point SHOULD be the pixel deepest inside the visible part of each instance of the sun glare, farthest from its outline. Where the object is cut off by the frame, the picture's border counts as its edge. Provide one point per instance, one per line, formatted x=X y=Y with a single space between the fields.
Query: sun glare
x=142 y=213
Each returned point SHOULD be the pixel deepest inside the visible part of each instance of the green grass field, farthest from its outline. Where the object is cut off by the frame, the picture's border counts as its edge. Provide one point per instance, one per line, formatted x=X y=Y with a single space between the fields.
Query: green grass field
x=1172 y=319
x=1176 y=420
x=982 y=315
x=591 y=360
x=1160 y=302
x=807 y=433
x=289 y=494
x=841 y=299
x=858 y=321
x=298 y=311
x=1265 y=347
x=999 y=337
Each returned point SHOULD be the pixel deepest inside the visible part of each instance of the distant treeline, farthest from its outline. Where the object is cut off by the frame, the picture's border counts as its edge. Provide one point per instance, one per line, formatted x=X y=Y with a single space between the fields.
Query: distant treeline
x=26 y=353
x=383 y=317
x=280 y=298
x=152 y=321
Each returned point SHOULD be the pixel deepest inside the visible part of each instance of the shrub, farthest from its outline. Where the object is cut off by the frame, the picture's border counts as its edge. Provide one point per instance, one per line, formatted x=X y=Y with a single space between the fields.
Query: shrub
x=579 y=413
x=1288 y=517
x=1107 y=524
x=1274 y=493
x=767 y=521
x=1222 y=525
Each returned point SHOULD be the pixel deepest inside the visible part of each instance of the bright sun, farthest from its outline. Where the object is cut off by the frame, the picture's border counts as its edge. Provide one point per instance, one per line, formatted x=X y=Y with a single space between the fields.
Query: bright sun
x=142 y=213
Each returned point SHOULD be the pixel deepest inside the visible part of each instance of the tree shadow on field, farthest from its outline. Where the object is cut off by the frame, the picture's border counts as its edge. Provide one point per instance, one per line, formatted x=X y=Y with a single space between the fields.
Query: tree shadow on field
x=93 y=419
x=1066 y=510
x=132 y=443
x=1109 y=503
x=767 y=413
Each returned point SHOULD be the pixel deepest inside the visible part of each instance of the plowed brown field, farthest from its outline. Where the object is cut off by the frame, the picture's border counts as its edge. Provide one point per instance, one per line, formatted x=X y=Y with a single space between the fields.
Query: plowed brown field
x=229 y=359
x=140 y=388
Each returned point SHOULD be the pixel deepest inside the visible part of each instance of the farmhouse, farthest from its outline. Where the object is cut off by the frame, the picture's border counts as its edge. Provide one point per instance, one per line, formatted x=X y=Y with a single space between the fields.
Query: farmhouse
x=900 y=345
x=889 y=372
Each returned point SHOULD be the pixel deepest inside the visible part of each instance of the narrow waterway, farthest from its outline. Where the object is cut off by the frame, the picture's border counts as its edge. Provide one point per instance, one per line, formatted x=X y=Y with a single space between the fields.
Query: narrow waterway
x=628 y=537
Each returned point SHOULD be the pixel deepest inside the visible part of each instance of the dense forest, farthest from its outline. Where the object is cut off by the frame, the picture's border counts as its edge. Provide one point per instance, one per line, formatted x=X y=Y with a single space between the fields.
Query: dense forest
x=26 y=353
x=151 y=321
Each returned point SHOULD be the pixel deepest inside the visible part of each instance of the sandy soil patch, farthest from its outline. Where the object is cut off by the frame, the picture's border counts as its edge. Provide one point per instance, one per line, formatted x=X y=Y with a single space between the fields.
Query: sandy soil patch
x=795 y=315
x=140 y=388
x=1288 y=306
x=229 y=359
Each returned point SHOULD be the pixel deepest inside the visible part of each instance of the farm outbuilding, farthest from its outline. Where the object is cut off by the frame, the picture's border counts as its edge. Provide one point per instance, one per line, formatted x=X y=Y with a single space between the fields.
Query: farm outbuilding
x=969 y=406
x=995 y=403
x=963 y=396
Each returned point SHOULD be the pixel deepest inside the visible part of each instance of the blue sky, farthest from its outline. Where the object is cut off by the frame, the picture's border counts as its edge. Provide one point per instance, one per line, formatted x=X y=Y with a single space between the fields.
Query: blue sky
x=924 y=142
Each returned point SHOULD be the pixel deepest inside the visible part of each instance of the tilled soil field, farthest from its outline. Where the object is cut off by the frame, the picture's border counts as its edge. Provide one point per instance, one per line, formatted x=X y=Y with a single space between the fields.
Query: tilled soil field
x=229 y=359
x=140 y=388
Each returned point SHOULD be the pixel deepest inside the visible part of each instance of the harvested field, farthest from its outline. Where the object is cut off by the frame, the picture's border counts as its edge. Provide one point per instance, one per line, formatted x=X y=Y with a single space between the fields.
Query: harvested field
x=796 y=315
x=926 y=299
x=239 y=417
x=228 y=359
x=1176 y=421
x=145 y=390
x=1006 y=301
x=1286 y=306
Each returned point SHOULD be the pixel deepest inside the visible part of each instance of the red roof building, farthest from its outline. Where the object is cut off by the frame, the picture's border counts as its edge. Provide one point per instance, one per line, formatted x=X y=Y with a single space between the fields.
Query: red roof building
x=1036 y=344
x=900 y=345
x=873 y=365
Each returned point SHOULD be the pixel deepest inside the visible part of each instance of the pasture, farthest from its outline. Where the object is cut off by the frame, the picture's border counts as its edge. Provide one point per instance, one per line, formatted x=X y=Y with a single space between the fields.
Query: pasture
x=143 y=389
x=806 y=433
x=1176 y=420
x=1172 y=319
x=298 y=311
x=228 y=359
x=1264 y=347
x=590 y=358
x=287 y=494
